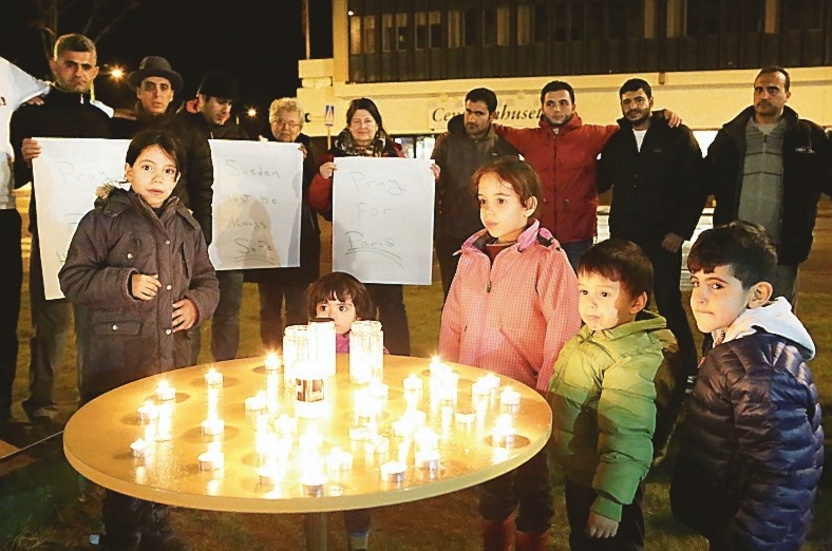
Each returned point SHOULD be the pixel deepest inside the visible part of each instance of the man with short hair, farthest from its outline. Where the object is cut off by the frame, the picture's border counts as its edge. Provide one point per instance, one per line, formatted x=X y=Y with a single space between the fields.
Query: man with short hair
x=216 y=95
x=66 y=112
x=769 y=166
x=156 y=85
x=459 y=154
x=655 y=172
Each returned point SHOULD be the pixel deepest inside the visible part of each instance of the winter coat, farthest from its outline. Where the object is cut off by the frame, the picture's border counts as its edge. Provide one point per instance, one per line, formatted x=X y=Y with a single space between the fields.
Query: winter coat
x=310 y=234
x=120 y=338
x=752 y=443
x=459 y=156
x=657 y=190
x=62 y=115
x=196 y=186
x=512 y=317
x=807 y=170
x=566 y=165
x=612 y=393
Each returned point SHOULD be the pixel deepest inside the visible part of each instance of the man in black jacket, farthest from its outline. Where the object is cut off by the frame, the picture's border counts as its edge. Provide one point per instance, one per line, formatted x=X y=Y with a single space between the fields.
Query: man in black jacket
x=769 y=166
x=459 y=154
x=211 y=117
x=656 y=175
x=66 y=112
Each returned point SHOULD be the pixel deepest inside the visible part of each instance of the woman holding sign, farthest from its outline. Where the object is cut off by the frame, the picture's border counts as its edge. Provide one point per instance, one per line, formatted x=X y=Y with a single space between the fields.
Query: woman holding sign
x=365 y=136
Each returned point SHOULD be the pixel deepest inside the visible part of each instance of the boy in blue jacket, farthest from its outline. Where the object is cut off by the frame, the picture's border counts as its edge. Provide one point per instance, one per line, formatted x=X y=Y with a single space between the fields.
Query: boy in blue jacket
x=752 y=449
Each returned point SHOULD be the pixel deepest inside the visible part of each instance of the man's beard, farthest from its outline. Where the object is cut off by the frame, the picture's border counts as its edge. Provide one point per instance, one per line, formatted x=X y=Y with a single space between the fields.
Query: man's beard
x=644 y=115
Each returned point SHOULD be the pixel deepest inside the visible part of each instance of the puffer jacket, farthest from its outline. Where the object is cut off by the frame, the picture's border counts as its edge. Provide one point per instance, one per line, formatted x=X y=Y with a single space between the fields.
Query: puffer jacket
x=196 y=186
x=615 y=392
x=459 y=156
x=752 y=443
x=567 y=169
x=512 y=317
x=807 y=171
x=121 y=339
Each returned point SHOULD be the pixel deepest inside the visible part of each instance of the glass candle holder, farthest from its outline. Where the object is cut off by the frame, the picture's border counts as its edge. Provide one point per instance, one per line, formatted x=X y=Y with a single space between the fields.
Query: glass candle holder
x=322 y=345
x=366 y=352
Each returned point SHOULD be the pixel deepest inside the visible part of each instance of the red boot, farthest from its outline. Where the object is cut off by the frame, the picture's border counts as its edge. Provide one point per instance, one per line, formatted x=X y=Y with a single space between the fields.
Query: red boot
x=497 y=535
x=531 y=541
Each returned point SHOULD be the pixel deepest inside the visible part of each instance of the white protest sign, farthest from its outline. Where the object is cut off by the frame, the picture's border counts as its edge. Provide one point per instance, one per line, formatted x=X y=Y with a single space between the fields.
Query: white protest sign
x=257 y=202
x=66 y=175
x=382 y=219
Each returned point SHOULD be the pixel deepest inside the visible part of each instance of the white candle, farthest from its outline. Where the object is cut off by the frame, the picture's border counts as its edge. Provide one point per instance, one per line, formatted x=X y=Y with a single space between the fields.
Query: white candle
x=426 y=439
x=465 y=417
x=165 y=392
x=311 y=440
x=256 y=403
x=480 y=388
x=427 y=460
x=148 y=412
x=491 y=380
x=379 y=391
x=211 y=460
x=270 y=475
x=437 y=368
x=359 y=433
x=313 y=483
x=377 y=445
x=412 y=382
x=286 y=425
x=213 y=377
x=503 y=432
x=213 y=426
x=140 y=448
x=510 y=399
x=272 y=362
x=393 y=471
x=338 y=460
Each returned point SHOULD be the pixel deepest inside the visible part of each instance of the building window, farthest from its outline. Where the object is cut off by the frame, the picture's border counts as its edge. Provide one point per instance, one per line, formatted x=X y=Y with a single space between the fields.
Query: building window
x=803 y=15
x=471 y=27
x=503 y=26
x=388 y=33
x=676 y=15
x=437 y=35
x=355 y=34
x=489 y=26
x=369 y=44
x=540 y=24
x=403 y=32
x=454 y=28
x=524 y=25
x=421 y=30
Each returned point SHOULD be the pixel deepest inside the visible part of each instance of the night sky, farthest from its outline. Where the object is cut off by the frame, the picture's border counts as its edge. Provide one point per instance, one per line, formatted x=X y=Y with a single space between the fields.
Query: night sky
x=258 y=41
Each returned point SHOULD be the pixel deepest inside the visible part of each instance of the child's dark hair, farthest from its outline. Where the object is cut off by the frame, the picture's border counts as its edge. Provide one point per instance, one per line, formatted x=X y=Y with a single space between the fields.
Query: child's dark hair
x=620 y=260
x=340 y=286
x=149 y=138
x=745 y=247
x=520 y=175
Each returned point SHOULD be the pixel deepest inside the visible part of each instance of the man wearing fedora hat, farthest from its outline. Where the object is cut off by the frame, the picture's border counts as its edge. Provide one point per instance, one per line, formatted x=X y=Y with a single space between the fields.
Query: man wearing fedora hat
x=210 y=113
x=156 y=85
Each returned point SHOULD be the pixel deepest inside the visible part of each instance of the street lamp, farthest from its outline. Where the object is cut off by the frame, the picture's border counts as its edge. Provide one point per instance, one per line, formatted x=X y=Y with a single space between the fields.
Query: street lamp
x=251 y=112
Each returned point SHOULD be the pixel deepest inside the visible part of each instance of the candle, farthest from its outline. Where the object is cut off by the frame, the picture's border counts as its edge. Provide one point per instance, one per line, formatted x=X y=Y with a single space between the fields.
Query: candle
x=163 y=424
x=393 y=471
x=503 y=432
x=213 y=377
x=272 y=362
x=311 y=440
x=212 y=460
x=270 y=475
x=286 y=425
x=164 y=391
x=376 y=444
x=427 y=460
x=426 y=439
x=359 y=433
x=491 y=380
x=313 y=483
x=437 y=368
x=338 y=460
x=379 y=391
x=256 y=403
x=140 y=448
x=509 y=399
x=412 y=382
x=465 y=417
x=480 y=388
x=148 y=412
x=213 y=426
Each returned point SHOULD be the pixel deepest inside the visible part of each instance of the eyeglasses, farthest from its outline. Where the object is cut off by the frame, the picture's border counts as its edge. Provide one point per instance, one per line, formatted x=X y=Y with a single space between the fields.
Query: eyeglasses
x=290 y=124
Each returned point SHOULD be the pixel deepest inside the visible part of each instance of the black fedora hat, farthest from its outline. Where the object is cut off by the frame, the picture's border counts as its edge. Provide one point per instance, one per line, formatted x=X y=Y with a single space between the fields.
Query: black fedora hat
x=155 y=66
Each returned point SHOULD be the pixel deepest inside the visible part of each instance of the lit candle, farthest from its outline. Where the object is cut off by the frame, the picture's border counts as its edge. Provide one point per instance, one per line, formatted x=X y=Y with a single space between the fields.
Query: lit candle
x=437 y=368
x=426 y=439
x=140 y=448
x=359 y=433
x=272 y=362
x=465 y=417
x=509 y=399
x=480 y=388
x=164 y=391
x=286 y=425
x=379 y=391
x=270 y=475
x=491 y=380
x=338 y=460
x=412 y=382
x=311 y=440
x=148 y=412
x=213 y=377
x=377 y=445
x=427 y=460
x=313 y=483
x=393 y=471
x=164 y=423
x=213 y=426
x=212 y=460
x=503 y=432
x=256 y=403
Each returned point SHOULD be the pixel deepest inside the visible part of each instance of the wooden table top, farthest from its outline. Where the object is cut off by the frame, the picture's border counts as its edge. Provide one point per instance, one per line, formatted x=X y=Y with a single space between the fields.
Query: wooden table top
x=98 y=437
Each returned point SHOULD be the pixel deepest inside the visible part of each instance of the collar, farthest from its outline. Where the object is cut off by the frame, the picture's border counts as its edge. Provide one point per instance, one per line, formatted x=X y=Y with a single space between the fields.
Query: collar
x=60 y=97
x=574 y=123
x=532 y=235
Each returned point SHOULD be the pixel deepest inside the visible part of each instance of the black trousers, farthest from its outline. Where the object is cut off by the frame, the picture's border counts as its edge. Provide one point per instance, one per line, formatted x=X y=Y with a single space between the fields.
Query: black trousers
x=630 y=536
x=389 y=300
x=448 y=261
x=11 y=280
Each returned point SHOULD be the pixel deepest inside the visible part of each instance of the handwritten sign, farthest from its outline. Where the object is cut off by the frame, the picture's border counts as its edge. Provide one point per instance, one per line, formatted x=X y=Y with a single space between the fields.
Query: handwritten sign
x=382 y=221
x=257 y=202
x=66 y=175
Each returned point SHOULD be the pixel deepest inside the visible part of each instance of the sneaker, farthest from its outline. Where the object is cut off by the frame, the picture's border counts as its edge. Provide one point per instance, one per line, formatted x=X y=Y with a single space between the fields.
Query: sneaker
x=40 y=414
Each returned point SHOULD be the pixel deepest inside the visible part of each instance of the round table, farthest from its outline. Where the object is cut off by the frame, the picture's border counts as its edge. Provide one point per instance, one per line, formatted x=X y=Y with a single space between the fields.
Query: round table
x=98 y=437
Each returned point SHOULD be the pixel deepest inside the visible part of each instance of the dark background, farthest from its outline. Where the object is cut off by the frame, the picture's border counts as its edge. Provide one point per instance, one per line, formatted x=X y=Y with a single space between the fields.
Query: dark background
x=257 y=41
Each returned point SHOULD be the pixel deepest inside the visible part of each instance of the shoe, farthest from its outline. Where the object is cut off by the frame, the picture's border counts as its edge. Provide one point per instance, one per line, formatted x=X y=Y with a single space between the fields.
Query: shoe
x=531 y=541
x=497 y=535
x=40 y=414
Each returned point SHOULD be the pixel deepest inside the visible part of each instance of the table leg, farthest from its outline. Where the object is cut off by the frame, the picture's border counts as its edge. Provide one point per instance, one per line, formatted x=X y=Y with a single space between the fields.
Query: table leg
x=316 y=530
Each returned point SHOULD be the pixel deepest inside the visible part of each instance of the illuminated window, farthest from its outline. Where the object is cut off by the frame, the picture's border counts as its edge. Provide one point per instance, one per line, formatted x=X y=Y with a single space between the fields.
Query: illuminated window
x=454 y=28
x=524 y=24
x=355 y=34
x=403 y=32
x=369 y=43
x=503 y=26
x=388 y=33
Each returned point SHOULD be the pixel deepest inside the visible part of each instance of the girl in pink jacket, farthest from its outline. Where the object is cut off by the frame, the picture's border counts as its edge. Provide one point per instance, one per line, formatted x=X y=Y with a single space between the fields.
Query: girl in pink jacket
x=512 y=305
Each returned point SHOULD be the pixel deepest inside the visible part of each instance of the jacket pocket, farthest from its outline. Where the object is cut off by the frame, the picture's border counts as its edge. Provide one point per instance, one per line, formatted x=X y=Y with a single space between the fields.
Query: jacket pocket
x=128 y=328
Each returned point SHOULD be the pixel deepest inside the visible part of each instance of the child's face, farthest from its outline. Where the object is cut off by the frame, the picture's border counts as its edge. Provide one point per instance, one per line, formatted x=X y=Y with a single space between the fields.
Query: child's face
x=152 y=176
x=604 y=304
x=342 y=312
x=718 y=298
x=501 y=211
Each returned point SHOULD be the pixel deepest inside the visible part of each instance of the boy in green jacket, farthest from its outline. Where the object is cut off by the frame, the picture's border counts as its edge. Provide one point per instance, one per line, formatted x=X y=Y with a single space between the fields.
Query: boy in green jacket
x=612 y=381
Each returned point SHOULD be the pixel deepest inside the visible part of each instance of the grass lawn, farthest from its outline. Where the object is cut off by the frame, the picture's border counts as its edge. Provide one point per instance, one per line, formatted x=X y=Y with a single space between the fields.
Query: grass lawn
x=447 y=522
